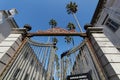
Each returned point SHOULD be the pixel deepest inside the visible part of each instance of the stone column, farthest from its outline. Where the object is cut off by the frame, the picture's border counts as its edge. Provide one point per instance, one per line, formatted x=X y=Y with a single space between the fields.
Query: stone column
x=107 y=53
x=9 y=46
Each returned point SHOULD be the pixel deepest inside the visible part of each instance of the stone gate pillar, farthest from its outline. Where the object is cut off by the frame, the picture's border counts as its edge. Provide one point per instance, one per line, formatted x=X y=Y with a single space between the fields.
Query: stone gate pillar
x=107 y=53
x=9 y=46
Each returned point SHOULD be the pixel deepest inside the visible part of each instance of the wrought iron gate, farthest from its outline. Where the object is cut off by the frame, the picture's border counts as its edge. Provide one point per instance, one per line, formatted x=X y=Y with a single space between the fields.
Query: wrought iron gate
x=83 y=62
x=31 y=61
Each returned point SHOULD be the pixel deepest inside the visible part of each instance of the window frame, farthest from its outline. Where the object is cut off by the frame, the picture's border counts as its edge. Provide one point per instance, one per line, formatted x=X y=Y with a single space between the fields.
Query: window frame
x=112 y=24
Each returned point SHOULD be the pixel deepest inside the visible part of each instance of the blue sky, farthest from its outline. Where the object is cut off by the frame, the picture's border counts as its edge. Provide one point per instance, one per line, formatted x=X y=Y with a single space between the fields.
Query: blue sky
x=37 y=13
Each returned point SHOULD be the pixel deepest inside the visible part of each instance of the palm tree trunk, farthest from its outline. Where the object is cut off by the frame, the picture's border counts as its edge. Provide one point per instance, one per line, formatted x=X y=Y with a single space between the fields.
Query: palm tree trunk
x=77 y=22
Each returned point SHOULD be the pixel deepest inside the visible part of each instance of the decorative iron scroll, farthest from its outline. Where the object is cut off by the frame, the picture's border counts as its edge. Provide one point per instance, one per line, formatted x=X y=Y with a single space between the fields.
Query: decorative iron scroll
x=40 y=44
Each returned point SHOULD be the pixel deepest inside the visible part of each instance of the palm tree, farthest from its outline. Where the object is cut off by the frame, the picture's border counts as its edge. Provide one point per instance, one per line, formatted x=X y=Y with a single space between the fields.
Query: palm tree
x=53 y=23
x=71 y=26
x=55 y=41
x=72 y=9
x=50 y=69
x=66 y=62
x=69 y=39
x=57 y=62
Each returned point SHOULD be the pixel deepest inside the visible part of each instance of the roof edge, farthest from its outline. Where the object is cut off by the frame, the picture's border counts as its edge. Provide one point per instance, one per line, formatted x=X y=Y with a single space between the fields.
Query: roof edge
x=98 y=9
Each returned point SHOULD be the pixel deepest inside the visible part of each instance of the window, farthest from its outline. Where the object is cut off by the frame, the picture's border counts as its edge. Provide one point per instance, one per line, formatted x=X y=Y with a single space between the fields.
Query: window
x=112 y=25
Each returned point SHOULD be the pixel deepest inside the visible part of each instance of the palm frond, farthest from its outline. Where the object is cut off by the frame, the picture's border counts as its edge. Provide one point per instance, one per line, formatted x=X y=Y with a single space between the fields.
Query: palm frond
x=71 y=7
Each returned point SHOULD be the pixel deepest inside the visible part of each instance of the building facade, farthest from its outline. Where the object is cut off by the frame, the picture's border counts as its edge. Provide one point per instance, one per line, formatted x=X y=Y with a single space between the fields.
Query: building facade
x=108 y=16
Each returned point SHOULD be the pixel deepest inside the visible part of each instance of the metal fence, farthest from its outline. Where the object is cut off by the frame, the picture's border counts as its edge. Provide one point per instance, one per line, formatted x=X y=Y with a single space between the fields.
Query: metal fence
x=32 y=61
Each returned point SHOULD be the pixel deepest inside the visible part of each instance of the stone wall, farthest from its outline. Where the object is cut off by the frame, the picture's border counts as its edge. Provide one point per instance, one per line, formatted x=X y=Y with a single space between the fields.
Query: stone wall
x=8 y=47
x=106 y=52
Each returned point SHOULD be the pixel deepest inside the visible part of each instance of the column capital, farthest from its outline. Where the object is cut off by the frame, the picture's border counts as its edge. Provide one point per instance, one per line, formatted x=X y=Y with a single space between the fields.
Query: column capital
x=19 y=30
x=91 y=30
x=22 y=31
